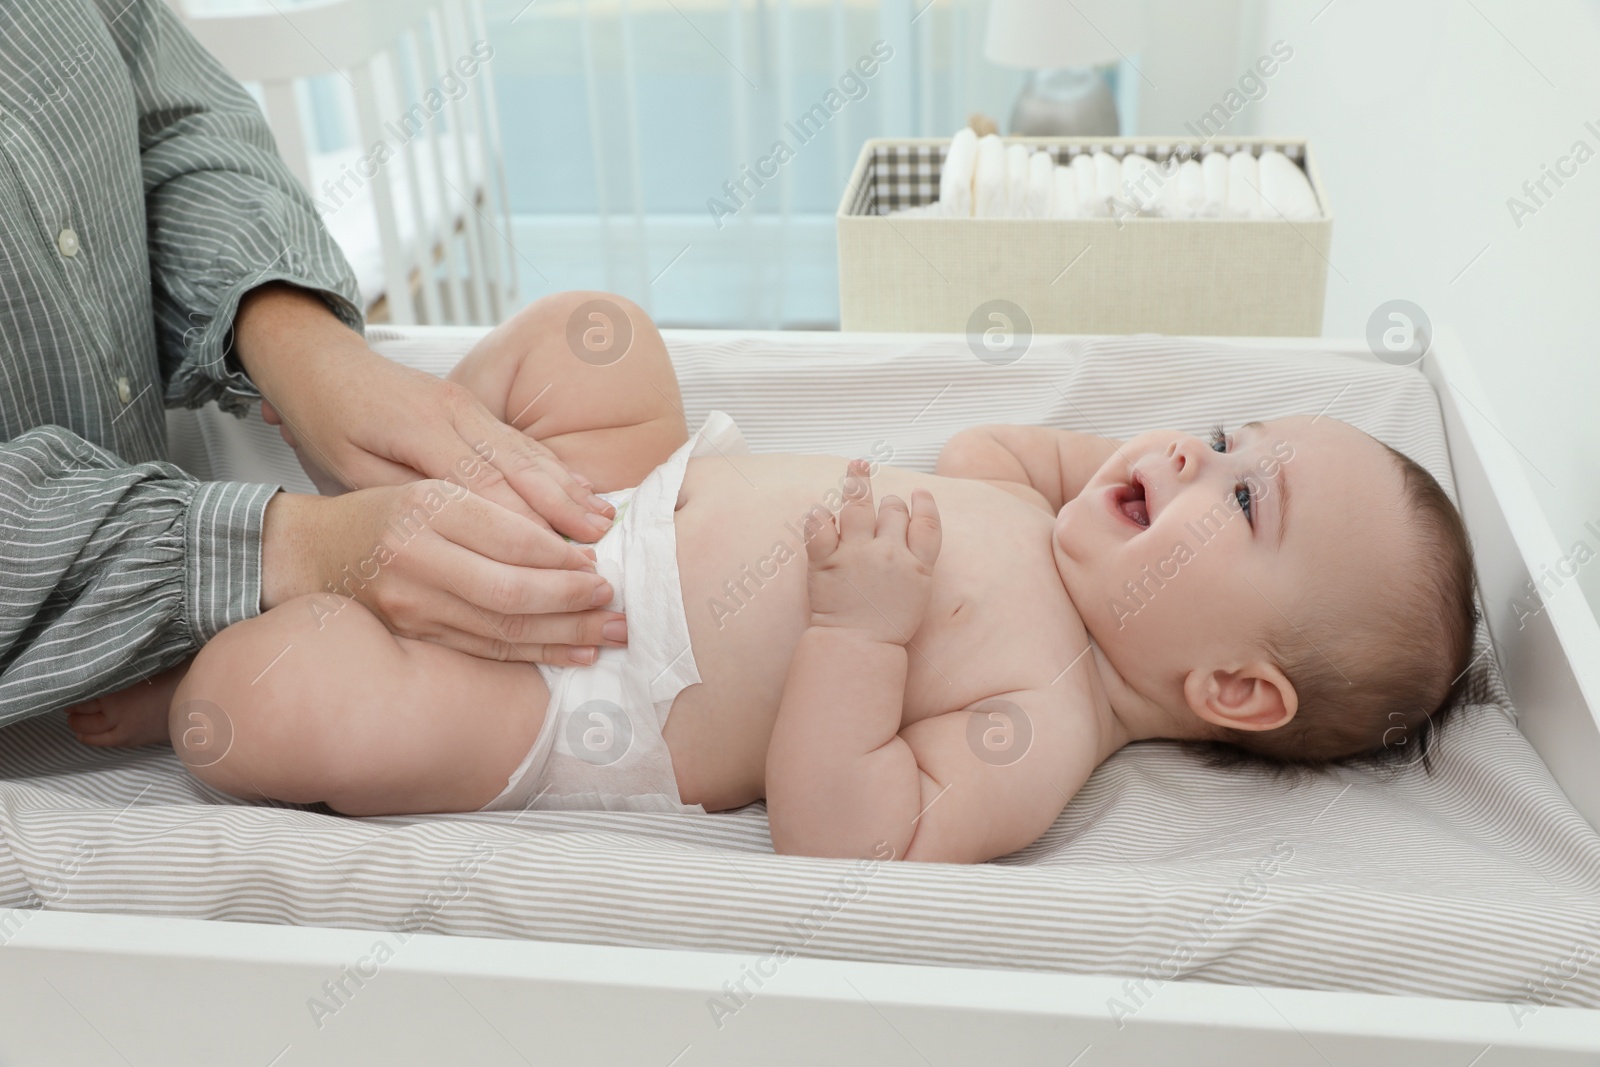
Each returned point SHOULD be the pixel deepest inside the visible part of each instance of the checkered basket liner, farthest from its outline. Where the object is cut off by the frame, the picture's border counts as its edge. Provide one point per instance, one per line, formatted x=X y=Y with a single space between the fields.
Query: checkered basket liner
x=907 y=175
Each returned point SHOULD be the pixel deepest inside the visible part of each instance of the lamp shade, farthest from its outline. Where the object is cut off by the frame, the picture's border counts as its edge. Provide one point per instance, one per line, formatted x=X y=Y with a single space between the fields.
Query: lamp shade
x=1042 y=34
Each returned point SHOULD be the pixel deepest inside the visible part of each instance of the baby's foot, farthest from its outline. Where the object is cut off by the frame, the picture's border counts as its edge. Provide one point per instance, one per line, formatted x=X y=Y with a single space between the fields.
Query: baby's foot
x=135 y=716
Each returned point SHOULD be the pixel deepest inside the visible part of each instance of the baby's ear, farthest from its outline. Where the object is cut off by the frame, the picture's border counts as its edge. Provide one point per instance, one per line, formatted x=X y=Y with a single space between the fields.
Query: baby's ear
x=1257 y=696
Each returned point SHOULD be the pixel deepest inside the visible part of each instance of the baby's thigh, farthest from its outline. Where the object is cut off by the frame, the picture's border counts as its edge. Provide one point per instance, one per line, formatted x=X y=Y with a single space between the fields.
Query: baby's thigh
x=316 y=701
x=587 y=375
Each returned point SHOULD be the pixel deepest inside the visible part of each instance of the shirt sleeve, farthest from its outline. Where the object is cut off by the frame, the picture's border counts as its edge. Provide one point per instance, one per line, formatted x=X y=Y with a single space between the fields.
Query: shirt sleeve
x=224 y=212
x=111 y=572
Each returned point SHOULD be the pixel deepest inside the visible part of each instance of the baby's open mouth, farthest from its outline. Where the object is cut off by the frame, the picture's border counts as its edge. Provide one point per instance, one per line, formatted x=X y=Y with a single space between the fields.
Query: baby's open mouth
x=1130 y=501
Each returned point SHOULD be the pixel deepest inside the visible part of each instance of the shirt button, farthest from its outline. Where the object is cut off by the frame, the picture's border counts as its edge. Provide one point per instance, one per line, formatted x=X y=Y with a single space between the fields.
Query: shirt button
x=67 y=242
x=124 y=390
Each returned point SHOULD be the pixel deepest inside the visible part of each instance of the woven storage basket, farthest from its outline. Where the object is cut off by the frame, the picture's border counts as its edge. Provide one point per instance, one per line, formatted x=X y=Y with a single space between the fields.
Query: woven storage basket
x=1251 y=277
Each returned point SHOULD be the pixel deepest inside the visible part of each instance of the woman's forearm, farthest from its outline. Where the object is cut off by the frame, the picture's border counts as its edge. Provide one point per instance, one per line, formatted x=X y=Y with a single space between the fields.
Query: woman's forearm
x=287 y=547
x=278 y=326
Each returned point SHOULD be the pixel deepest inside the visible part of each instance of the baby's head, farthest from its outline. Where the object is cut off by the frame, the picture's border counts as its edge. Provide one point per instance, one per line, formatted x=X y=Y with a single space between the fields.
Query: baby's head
x=1293 y=588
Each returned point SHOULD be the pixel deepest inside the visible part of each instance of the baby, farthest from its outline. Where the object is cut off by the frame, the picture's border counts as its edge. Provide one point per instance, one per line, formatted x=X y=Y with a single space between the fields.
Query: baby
x=891 y=675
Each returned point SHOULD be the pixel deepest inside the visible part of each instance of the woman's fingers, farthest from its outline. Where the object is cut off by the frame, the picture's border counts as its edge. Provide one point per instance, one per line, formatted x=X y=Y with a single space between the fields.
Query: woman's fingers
x=538 y=480
x=558 y=634
x=403 y=424
x=485 y=528
x=431 y=558
x=502 y=589
x=496 y=648
x=438 y=450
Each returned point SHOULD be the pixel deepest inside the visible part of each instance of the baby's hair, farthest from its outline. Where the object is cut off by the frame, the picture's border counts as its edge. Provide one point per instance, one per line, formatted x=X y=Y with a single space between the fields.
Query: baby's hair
x=1416 y=658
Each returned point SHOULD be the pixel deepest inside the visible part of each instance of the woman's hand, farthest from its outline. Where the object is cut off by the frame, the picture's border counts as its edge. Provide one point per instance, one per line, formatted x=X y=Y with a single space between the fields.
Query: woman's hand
x=438 y=563
x=485 y=575
x=363 y=421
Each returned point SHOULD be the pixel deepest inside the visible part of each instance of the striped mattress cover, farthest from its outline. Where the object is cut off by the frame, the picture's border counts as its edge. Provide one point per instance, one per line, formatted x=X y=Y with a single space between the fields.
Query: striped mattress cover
x=1479 y=881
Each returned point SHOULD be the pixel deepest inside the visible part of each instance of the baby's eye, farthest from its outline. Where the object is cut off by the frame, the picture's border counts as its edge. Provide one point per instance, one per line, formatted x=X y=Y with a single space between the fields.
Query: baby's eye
x=1219 y=440
x=1241 y=493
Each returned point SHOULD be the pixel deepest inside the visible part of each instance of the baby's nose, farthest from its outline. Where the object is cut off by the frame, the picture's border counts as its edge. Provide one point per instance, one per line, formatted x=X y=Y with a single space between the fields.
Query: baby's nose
x=1182 y=461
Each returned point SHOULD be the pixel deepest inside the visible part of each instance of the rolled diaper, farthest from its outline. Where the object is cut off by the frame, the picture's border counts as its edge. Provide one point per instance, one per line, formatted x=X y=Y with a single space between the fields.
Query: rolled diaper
x=1039 y=202
x=1016 y=180
x=1284 y=188
x=1141 y=185
x=955 y=179
x=1089 y=202
x=1190 y=198
x=1065 y=204
x=989 y=178
x=1215 y=168
x=1107 y=181
x=1167 y=205
x=1244 y=197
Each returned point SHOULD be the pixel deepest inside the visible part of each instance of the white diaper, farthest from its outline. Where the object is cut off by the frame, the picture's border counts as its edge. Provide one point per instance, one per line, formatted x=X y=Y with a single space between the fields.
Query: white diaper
x=601 y=746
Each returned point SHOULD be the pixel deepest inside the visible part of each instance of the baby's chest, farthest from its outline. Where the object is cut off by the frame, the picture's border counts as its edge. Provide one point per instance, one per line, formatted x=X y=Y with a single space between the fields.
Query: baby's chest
x=993 y=626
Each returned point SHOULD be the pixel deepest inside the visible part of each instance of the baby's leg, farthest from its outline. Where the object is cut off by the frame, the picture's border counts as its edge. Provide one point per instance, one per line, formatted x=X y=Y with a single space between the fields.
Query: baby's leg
x=316 y=701
x=558 y=372
x=129 y=717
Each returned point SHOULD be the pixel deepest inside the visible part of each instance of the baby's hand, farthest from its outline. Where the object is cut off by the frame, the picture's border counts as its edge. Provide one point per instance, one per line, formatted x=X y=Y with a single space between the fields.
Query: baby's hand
x=873 y=571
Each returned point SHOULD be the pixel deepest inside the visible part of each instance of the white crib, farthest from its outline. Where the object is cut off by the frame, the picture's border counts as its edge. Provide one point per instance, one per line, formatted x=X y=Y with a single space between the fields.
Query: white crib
x=426 y=223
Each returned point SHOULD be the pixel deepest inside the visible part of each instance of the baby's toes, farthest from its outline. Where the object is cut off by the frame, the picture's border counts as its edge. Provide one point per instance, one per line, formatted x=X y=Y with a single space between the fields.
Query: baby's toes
x=117 y=726
x=93 y=730
x=88 y=722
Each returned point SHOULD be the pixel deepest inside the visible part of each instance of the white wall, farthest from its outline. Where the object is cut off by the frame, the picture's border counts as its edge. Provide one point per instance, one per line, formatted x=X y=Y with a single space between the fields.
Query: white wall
x=1193 y=52
x=1426 y=115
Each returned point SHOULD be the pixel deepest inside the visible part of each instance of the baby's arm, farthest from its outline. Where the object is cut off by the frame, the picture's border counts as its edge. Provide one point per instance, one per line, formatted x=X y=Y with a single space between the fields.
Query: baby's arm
x=843 y=778
x=840 y=781
x=1001 y=770
x=1054 y=464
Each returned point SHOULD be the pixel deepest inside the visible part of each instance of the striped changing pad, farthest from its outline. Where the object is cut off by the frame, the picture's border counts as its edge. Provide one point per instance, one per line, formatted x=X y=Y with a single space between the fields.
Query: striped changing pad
x=1479 y=881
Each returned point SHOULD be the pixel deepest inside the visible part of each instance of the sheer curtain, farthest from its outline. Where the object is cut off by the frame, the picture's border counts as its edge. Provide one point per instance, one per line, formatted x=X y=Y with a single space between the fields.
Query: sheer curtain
x=689 y=154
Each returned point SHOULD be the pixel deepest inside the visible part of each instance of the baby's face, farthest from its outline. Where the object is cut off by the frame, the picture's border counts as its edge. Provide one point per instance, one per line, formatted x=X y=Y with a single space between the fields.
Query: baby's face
x=1184 y=553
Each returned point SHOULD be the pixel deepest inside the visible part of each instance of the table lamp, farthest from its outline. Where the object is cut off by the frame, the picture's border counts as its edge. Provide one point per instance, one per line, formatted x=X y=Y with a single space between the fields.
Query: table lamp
x=1060 y=43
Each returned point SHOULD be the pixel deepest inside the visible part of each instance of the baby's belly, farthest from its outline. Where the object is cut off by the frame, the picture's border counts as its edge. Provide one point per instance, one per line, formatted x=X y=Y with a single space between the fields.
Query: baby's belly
x=742 y=567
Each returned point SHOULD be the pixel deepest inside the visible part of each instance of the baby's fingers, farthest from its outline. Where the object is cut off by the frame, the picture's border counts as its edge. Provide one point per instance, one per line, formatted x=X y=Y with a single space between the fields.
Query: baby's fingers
x=893 y=518
x=857 y=517
x=924 y=534
x=822 y=536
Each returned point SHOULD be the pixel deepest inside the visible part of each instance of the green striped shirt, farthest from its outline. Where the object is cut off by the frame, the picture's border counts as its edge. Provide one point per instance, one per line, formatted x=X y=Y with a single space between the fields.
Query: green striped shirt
x=141 y=196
